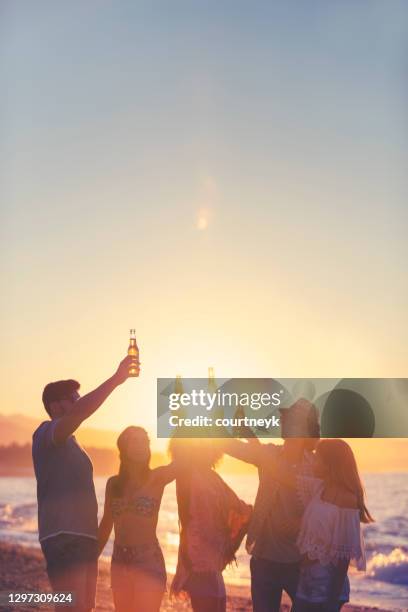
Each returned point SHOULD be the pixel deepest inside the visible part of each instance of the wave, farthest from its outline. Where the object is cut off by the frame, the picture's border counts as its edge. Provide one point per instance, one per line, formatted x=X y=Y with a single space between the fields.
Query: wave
x=22 y=517
x=392 y=568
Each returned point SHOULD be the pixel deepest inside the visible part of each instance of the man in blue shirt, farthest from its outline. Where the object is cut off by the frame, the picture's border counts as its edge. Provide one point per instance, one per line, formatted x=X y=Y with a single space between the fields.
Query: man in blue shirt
x=67 y=506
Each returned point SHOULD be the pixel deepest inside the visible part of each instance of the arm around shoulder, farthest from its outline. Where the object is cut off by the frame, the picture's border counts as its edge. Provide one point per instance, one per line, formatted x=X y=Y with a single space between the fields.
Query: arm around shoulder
x=167 y=473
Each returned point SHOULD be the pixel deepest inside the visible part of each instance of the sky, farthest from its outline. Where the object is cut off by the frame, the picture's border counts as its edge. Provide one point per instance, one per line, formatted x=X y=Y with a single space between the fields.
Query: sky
x=226 y=177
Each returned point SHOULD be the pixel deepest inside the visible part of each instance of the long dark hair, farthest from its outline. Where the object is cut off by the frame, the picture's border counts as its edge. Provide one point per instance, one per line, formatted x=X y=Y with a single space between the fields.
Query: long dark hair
x=128 y=468
x=341 y=466
x=191 y=455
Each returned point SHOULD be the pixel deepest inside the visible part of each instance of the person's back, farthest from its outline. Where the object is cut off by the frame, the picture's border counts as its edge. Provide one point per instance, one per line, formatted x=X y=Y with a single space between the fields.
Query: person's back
x=65 y=490
x=213 y=522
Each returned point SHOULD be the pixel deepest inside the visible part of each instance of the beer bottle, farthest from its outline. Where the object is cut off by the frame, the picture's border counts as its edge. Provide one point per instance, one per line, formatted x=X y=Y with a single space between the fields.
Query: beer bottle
x=133 y=351
x=212 y=383
x=178 y=385
x=212 y=387
x=179 y=389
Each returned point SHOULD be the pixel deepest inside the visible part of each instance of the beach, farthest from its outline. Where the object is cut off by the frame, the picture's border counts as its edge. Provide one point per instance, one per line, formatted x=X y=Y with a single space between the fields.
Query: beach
x=384 y=585
x=23 y=568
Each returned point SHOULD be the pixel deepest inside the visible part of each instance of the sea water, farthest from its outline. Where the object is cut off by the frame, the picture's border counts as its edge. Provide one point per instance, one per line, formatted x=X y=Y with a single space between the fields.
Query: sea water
x=385 y=583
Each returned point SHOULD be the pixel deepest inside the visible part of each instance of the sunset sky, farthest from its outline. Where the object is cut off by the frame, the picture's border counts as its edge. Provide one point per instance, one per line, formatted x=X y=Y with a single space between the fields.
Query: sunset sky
x=228 y=178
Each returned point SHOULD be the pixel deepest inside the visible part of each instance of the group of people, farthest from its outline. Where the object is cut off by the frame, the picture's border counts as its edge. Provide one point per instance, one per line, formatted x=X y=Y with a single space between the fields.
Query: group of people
x=303 y=531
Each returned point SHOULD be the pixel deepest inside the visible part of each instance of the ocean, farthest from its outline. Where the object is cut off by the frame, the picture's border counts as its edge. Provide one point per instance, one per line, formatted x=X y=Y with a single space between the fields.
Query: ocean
x=385 y=583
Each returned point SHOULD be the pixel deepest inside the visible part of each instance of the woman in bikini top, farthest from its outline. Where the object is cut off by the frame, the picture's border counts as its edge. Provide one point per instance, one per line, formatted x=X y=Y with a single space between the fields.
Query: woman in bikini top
x=132 y=503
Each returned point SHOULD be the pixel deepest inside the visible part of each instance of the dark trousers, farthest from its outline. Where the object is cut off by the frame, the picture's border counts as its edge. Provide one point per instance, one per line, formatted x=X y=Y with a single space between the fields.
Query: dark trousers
x=268 y=580
x=304 y=606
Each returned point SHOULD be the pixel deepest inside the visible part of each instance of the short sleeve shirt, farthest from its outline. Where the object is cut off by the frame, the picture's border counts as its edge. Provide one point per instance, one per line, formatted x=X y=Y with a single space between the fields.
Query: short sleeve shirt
x=65 y=489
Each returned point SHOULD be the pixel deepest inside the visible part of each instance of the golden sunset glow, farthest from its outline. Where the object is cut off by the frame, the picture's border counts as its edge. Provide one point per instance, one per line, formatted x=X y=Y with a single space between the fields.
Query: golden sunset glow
x=200 y=207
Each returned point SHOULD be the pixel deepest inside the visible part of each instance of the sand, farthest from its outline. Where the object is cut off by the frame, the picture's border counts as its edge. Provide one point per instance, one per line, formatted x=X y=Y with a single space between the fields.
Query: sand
x=24 y=568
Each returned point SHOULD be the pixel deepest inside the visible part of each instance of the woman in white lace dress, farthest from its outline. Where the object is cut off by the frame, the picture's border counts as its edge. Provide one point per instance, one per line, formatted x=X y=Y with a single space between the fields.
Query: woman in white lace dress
x=330 y=537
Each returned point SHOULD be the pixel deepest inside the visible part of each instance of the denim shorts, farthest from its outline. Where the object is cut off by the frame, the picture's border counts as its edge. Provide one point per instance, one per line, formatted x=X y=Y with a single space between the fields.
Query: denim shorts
x=315 y=583
x=141 y=565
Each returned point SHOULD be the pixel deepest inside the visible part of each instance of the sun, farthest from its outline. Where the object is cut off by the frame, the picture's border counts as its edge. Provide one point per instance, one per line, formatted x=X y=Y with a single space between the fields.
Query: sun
x=203 y=219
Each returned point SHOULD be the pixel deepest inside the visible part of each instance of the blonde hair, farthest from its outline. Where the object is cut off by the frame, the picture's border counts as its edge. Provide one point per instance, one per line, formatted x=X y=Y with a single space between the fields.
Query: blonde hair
x=195 y=452
x=191 y=456
x=341 y=468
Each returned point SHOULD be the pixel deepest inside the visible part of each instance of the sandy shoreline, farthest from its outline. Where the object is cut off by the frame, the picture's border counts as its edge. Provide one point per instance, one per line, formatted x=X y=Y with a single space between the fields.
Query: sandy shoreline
x=23 y=568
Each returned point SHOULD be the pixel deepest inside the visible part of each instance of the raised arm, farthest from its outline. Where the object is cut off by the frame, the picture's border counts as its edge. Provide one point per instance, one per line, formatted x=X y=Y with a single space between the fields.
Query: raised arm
x=267 y=455
x=251 y=451
x=89 y=403
x=106 y=524
x=167 y=473
x=244 y=431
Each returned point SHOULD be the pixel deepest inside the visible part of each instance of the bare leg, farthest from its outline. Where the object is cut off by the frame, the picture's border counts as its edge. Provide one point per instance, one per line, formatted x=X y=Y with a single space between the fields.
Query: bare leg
x=123 y=589
x=123 y=600
x=73 y=579
x=148 y=601
x=208 y=604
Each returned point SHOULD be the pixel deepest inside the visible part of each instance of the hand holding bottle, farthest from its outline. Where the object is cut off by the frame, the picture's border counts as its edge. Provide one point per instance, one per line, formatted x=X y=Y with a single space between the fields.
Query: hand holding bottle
x=127 y=365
